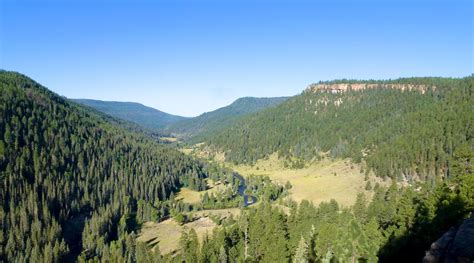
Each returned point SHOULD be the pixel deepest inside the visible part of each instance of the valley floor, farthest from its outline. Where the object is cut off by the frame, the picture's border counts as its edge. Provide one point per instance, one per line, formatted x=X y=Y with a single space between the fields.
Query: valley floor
x=193 y=197
x=318 y=182
x=166 y=234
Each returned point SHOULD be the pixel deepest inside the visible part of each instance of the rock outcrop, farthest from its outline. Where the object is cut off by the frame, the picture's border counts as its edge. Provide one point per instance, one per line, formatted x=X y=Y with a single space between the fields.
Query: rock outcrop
x=456 y=245
x=343 y=87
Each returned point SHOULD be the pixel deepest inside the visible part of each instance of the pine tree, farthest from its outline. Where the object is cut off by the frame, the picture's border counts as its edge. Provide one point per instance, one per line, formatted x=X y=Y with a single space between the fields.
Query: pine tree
x=301 y=254
x=189 y=245
x=142 y=254
x=222 y=255
x=360 y=208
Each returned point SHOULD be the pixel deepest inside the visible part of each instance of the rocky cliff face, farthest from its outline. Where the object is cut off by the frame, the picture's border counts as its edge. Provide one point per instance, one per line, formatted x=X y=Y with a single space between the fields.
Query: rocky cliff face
x=342 y=87
x=456 y=245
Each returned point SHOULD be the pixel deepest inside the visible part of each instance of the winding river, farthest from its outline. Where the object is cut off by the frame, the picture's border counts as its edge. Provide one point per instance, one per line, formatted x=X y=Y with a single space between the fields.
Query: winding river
x=248 y=199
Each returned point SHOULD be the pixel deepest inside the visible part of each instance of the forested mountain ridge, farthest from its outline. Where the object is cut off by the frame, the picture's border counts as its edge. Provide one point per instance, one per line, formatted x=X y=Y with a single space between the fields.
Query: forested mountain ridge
x=403 y=133
x=72 y=181
x=75 y=185
x=343 y=87
x=135 y=112
x=210 y=122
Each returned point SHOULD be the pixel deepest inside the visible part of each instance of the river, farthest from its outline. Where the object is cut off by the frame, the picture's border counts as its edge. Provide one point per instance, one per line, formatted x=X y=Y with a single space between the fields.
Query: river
x=248 y=199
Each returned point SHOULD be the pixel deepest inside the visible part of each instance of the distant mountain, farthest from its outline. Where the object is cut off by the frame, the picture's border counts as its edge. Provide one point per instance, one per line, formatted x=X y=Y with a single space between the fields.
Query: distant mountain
x=135 y=112
x=209 y=122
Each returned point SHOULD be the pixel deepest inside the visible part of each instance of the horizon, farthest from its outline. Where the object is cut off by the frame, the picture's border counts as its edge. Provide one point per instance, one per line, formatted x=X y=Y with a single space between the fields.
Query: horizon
x=220 y=107
x=245 y=96
x=237 y=130
x=290 y=96
x=190 y=58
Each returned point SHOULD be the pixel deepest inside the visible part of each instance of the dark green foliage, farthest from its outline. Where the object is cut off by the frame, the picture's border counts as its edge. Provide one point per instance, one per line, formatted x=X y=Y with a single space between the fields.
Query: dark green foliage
x=268 y=233
x=263 y=187
x=398 y=225
x=225 y=199
x=189 y=246
x=76 y=186
x=134 y=112
x=63 y=167
x=180 y=218
x=399 y=134
x=208 y=123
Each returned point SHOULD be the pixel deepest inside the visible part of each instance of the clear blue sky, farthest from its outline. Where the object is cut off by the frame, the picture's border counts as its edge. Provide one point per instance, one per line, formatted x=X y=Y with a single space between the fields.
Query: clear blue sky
x=187 y=57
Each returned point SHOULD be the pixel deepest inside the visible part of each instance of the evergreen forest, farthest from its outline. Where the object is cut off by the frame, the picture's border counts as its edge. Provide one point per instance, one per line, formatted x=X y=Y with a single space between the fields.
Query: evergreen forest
x=77 y=185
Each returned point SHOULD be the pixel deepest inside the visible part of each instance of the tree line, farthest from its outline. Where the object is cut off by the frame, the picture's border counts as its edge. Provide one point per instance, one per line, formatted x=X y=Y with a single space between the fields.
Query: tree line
x=397 y=225
x=73 y=181
x=401 y=134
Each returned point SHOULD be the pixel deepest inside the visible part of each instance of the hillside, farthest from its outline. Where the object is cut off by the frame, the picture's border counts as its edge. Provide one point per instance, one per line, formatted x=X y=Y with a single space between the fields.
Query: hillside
x=78 y=186
x=135 y=112
x=405 y=128
x=211 y=122
x=72 y=181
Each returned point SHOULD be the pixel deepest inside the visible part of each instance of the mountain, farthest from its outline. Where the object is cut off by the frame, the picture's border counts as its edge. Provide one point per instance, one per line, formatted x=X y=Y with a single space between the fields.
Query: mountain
x=73 y=181
x=81 y=186
x=405 y=128
x=135 y=112
x=210 y=122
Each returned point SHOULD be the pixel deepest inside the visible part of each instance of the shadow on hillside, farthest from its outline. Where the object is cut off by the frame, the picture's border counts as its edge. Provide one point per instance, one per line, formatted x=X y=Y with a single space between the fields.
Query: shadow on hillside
x=73 y=235
x=413 y=245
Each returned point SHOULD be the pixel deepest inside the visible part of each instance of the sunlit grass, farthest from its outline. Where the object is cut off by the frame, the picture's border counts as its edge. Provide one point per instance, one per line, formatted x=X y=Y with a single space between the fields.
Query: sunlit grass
x=319 y=181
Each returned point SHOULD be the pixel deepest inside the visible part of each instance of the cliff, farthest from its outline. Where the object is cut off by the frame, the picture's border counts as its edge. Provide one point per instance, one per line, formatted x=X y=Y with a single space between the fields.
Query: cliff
x=456 y=245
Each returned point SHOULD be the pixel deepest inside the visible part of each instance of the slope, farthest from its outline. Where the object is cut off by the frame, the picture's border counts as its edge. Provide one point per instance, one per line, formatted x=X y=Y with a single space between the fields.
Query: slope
x=406 y=128
x=72 y=181
x=135 y=112
x=210 y=122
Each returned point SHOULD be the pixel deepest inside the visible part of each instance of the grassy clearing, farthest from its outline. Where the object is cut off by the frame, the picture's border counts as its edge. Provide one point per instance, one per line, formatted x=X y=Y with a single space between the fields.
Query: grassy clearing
x=203 y=226
x=317 y=182
x=189 y=196
x=201 y=151
x=221 y=213
x=168 y=139
x=194 y=197
x=166 y=234
x=186 y=150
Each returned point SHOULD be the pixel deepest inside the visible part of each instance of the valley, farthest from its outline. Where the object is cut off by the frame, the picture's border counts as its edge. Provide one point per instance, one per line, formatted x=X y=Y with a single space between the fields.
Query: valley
x=236 y=131
x=317 y=182
x=300 y=174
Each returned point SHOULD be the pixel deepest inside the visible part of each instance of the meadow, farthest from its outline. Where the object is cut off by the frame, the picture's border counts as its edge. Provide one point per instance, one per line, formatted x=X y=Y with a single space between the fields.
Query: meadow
x=317 y=182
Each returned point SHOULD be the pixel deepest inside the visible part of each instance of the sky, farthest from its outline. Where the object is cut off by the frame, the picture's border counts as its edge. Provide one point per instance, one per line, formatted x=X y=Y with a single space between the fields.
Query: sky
x=189 y=57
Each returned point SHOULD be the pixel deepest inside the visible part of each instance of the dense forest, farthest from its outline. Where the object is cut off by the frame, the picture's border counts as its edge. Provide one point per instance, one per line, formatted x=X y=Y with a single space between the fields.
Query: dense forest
x=397 y=225
x=403 y=134
x=77 y=184
x=206 y=124
x=71 y=180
